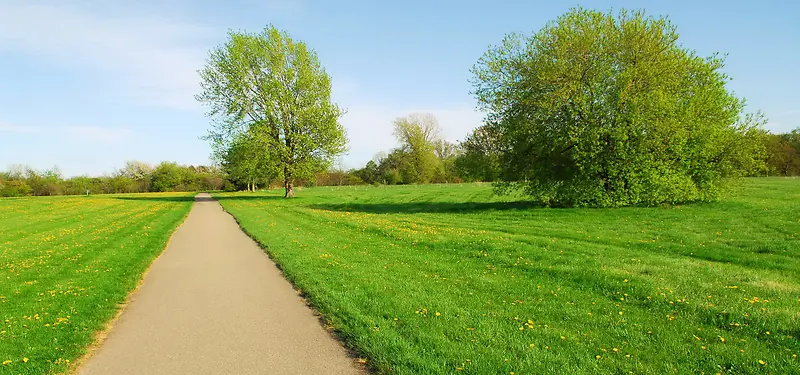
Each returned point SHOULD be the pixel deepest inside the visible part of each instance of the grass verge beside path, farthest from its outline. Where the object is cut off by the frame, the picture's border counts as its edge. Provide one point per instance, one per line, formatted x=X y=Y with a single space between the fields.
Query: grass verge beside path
x=448 y=279
x=66 y=265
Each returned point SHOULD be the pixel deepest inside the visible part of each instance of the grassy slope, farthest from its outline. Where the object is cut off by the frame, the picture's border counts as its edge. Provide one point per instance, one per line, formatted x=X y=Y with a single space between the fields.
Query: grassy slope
x=437 y=279
x=66 y=263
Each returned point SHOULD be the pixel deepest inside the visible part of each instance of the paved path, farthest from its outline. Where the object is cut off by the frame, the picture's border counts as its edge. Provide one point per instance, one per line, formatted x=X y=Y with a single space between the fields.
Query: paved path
x=214 y=303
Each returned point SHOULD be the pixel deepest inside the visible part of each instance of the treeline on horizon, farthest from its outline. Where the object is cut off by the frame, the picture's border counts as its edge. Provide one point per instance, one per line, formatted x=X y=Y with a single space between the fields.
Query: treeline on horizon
x=417 y=161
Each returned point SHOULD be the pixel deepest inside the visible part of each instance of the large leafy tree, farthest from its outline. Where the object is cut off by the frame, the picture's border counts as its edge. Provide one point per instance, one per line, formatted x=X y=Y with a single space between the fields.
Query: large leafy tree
x=269 y=86
x=607 y=110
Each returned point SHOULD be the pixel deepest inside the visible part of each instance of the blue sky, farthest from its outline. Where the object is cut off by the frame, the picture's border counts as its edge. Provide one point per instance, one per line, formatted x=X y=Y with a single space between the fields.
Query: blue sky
x=86 y=85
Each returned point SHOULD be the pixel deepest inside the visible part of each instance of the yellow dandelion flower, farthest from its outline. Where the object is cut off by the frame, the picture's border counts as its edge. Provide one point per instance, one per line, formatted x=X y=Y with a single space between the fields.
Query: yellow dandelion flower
x=761 y=362
x=598 y=357
x=25 y=360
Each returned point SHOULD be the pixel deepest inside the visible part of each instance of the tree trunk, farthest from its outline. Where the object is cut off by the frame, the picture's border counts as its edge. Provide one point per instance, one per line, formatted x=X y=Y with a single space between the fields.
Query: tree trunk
x=289 y=188
x=288 y=182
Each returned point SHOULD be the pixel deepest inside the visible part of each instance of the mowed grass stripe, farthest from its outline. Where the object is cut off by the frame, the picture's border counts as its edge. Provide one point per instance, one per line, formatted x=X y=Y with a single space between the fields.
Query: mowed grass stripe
x=66 y=272
x=528 y=290
x=19 y=223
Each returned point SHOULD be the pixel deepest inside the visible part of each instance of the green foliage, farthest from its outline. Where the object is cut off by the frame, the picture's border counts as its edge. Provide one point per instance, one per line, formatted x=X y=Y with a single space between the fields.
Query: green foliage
x=369 y=173
x=480 y=157
x=446 y=154
x=392 y=177
x=605 y=110
x=430 y=279
x=391 y=165
x=247 y=160
x=14 y=188
x=167 y=176
x=268 y=86
x=418 y=135
x=337 y=177
x=45 y=182
x=783 y=152
x=135 y=177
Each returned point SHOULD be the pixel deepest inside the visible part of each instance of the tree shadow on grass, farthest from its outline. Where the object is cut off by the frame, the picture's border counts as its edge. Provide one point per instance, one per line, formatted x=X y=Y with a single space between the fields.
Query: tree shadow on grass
x=250 y=198
x=157 y=199
x=196 y=198
x=428 y=207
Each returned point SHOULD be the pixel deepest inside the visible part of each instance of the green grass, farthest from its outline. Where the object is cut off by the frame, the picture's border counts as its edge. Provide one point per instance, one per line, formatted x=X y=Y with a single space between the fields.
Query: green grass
x=66 y=264
x=448 y=279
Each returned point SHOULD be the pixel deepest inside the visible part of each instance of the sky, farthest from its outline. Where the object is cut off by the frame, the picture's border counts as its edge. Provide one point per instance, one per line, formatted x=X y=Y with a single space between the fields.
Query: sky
x=86 y=85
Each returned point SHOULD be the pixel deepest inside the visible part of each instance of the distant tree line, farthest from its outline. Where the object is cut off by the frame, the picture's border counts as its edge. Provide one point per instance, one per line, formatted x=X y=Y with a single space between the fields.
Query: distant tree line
x=783 y=154
x=134 y=177
x=478 y=159
x=423 y=157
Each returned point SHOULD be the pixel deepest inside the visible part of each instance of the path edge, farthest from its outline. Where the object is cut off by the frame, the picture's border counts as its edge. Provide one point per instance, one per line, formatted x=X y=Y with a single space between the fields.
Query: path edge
x=101 y=334
x=360 y=362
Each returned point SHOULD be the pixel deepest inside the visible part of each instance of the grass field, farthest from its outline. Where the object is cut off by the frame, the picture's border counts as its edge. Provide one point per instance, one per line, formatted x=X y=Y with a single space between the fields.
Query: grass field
x=66 y=263
x=448 y=279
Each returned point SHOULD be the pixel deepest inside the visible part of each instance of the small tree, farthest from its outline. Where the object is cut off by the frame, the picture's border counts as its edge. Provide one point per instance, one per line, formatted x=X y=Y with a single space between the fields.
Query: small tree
x=272 y=83
x=369 y=173
x=139 y=172
x=605 y=110
x=247 y=160
x=418 y=135
x=480 y=155
x=167 y=176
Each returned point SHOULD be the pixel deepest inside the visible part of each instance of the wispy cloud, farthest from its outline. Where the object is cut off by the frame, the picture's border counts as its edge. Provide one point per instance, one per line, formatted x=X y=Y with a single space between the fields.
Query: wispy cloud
x=141 y=58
